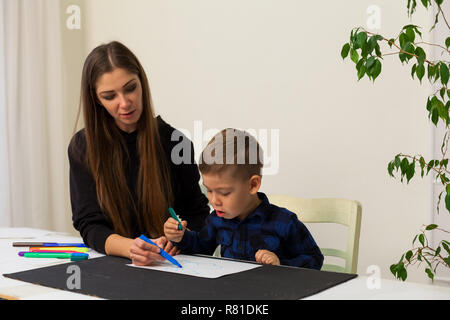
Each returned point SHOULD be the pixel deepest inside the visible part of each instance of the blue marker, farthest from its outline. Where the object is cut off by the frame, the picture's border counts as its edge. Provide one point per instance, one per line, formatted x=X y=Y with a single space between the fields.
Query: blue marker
x=164 y=254
x=48 y=244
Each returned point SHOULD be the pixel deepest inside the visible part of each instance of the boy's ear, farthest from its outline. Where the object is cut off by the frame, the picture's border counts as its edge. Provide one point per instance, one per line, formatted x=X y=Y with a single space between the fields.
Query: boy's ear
x=255 y=184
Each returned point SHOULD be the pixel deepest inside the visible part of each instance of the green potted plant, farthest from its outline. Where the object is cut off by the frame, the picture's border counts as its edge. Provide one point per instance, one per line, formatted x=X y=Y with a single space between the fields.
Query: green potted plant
x=365 y=51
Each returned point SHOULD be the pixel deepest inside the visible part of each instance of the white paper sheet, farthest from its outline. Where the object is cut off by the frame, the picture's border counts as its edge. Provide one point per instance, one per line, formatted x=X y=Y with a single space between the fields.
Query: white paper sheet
x=201 y=266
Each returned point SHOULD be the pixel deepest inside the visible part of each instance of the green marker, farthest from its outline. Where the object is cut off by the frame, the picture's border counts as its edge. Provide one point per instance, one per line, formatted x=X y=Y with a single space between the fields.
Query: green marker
x=60 y=255
x=174 y=215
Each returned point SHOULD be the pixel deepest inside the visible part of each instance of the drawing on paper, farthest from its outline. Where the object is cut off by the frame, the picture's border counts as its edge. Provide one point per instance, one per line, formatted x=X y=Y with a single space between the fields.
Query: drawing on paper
x=201 y=266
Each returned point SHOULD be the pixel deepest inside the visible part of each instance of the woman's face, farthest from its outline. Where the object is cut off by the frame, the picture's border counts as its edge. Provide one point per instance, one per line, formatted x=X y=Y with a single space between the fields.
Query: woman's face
x=120 y=92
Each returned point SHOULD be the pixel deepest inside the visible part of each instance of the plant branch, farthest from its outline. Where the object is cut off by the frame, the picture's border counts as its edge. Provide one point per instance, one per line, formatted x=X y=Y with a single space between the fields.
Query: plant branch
x=443 y=16
x=390 y=54
x=435 y=229
x=434 y=258
x=395 y=45
x=444 y=152
x=433 y=44
x=438 y=171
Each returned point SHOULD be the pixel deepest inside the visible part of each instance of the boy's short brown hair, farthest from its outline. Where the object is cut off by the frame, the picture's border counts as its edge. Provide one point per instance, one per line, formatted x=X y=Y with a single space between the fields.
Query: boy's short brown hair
x=232 y=149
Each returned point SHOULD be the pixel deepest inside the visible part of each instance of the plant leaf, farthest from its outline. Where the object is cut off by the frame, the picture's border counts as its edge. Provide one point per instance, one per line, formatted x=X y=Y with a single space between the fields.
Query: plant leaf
x=408 y=255
x=432 y=72
x=422 y=239
x=443 y=70
x=434 y=116
x=354 y=56
x=391 y=168
x=421 y=55
x=447 y=201
x=420 y=71
x=370 y=62
x=410 y=34
x=431 y=227
x=361 y=39
x=361 y=71
x=376 y=69
x=438 y=250
x=413 y=70
x=445 y=246
x=391 y=42
x=410 y=171
x=430 y=273
x=345 y=50
x=415 y=238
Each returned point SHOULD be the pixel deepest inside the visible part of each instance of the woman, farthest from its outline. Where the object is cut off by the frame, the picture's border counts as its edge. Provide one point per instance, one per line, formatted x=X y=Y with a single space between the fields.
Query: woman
x=122 y=179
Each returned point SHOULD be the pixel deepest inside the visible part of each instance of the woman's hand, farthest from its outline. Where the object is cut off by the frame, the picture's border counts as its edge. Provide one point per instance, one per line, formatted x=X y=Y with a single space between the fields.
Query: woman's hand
x=169 y=247
x=144 y=254
x=171 y=230
x=267 y=257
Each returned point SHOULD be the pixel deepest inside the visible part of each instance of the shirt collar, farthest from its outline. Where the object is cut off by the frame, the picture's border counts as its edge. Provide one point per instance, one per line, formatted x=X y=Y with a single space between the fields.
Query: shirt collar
x=263 y=207
x=260 y=211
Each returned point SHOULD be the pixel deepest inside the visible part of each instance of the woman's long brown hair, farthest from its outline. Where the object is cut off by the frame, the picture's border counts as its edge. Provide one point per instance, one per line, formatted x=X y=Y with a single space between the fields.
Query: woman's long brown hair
x=106 y=150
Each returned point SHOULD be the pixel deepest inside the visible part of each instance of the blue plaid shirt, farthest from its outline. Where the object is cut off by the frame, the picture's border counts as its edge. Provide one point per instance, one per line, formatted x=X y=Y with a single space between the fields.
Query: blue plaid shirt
x=267 y=227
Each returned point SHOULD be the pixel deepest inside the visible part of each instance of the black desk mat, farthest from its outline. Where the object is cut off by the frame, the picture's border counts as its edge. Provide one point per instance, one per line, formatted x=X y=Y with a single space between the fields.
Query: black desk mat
x=110 y=278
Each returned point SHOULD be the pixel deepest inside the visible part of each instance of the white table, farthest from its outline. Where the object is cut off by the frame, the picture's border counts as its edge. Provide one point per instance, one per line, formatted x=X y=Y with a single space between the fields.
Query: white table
x=357 y=289
x=10 y=262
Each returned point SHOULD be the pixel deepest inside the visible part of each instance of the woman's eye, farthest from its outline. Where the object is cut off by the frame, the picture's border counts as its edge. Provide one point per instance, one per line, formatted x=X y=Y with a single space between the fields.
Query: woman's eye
x=109 y=97
x=131 y=88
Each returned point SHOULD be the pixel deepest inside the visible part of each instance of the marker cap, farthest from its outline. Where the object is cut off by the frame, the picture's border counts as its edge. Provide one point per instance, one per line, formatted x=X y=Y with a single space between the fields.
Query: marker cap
x=78 y=256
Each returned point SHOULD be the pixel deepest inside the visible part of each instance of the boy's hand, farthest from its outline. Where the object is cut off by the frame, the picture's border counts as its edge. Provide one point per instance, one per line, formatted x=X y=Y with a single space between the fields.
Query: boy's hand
x=171 y=230
x=267 y=257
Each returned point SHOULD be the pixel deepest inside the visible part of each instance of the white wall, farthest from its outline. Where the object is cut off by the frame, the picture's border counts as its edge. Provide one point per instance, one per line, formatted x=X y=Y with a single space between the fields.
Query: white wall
x=442 y=219
x=73 y=41
x=268 y=64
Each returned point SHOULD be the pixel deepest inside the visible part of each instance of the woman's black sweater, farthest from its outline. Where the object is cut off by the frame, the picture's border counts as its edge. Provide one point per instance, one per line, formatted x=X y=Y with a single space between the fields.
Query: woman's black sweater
x=94 y=226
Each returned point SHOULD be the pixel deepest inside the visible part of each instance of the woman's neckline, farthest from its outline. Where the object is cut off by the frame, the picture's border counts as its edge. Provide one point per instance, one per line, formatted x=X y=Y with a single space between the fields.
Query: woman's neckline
x=129 y=136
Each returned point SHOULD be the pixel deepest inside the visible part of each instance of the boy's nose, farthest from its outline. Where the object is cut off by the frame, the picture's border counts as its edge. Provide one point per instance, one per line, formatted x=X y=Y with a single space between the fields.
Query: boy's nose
x=215 y=201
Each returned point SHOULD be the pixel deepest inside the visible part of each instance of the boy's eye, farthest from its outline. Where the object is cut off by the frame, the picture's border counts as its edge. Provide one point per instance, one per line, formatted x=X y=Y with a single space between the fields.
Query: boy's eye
x=225 y=193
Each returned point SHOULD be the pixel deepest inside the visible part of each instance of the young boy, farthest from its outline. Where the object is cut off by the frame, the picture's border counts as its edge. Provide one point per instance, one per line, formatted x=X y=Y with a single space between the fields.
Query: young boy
x=243 y=222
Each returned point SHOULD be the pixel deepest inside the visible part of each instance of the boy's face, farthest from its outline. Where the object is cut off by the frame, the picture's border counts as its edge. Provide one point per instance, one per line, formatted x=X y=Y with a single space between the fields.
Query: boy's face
x=232 y=197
